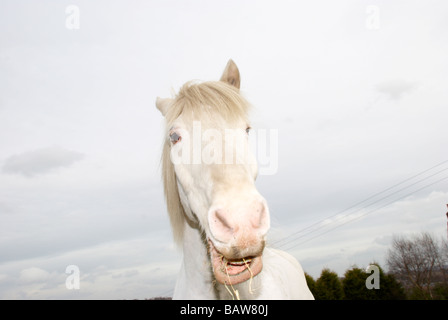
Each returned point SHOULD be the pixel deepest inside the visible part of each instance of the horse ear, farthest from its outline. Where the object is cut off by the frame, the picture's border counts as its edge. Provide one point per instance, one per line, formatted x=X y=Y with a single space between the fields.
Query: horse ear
x=163 y=104
x=231 y=74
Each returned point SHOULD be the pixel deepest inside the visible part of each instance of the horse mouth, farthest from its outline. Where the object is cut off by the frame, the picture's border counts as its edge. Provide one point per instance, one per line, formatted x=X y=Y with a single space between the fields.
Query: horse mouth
x=229 y=271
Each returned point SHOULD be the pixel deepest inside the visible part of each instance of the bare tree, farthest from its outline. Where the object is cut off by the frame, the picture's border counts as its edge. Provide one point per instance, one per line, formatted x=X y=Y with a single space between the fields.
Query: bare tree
x=444 y=258
x=418 y=262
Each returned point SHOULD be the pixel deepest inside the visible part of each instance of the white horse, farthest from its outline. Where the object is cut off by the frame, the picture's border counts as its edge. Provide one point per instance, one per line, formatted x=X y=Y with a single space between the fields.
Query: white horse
x=216 y=213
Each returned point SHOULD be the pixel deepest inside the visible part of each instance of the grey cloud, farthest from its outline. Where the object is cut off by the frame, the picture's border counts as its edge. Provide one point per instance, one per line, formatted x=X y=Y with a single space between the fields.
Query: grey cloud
x=384 y=240
x=34 y=274
x=5 y=208
x=40 y=161
x=395 y=89
x=126 y=274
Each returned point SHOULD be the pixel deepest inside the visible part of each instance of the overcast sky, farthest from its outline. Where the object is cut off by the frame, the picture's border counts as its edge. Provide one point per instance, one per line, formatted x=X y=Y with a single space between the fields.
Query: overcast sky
x=356 y=90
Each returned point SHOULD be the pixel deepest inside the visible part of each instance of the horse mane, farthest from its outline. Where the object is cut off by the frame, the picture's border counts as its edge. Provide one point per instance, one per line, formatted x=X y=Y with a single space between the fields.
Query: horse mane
x=196 y=101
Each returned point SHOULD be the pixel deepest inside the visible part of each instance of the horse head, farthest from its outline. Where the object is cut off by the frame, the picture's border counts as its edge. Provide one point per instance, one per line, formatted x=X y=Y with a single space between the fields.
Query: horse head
x=209 y=174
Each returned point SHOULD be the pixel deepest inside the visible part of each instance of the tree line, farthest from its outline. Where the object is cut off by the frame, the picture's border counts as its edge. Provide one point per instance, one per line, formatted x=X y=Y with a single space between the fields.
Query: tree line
x=418 y=269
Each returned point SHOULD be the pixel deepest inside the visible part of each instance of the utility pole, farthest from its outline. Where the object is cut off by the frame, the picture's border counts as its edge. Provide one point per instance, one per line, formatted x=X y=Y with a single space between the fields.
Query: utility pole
x=447 y=224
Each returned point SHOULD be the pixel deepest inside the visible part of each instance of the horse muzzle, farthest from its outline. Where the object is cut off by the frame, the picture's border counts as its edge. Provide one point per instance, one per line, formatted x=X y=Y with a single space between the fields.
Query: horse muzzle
x=235 y=267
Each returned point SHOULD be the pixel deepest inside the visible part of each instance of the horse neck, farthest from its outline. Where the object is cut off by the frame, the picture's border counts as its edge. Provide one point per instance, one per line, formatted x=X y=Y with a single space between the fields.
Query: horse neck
x=196 y=279
x=194 y=249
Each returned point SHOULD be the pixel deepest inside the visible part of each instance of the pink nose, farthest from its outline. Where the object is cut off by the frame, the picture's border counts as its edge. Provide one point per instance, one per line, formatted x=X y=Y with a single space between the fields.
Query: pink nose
x=239 y=225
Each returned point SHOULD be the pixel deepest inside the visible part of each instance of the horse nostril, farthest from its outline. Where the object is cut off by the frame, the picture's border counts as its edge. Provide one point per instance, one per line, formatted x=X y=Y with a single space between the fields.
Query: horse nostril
x=221 y=221
x=222 y=226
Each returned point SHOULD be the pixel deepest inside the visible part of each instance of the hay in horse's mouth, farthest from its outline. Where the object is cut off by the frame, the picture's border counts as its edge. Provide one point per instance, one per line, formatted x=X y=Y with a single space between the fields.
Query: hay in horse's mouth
x=232 y=272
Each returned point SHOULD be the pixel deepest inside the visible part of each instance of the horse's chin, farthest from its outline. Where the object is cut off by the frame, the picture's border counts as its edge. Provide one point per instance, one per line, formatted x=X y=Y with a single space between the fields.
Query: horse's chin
x=232 y=272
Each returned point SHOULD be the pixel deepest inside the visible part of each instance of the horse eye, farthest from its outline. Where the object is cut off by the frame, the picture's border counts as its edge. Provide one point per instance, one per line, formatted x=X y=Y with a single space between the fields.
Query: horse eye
x=175 y=138
x=248 y=129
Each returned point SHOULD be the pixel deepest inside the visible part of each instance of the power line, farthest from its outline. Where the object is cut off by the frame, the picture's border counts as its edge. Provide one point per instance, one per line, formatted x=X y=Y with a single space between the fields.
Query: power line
x=367 y=213
x=298 y=236
x=300 y=233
